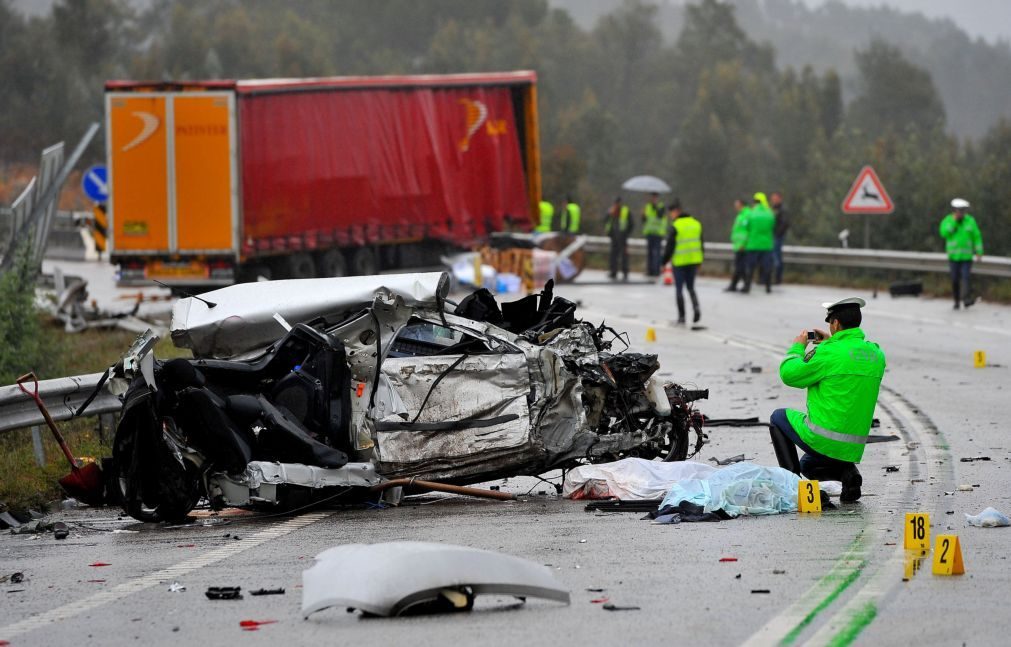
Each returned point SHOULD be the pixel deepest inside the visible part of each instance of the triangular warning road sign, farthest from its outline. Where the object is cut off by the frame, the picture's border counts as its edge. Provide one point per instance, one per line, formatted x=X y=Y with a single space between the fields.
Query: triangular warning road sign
x=867 y=195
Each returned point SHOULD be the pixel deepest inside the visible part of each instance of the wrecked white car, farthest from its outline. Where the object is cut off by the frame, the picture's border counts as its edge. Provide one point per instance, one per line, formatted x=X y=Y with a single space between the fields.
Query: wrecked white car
x=315 y=389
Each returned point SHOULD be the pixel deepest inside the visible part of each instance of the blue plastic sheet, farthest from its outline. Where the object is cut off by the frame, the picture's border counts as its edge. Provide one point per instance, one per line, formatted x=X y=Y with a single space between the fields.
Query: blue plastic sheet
x=742 y=488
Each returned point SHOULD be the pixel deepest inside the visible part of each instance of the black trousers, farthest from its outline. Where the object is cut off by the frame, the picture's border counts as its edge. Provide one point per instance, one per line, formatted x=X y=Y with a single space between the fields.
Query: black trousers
x=619 y=256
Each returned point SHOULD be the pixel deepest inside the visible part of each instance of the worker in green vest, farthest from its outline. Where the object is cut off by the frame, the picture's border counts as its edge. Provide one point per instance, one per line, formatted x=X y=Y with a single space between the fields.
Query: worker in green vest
x=842 y=376
x=617 y=226
x=547 y=218
x=654 y=228
x=738 y=236
x=684 y=244
x=760 y=242
x=962 y=239
x=571 y=216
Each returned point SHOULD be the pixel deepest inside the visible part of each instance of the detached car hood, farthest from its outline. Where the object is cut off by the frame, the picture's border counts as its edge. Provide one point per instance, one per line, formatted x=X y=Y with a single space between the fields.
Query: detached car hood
x=242 y=318
x=386 y=579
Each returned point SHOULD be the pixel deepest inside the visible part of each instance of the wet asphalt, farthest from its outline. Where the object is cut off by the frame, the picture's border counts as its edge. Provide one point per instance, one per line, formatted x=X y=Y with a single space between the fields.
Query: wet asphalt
x=837 y=576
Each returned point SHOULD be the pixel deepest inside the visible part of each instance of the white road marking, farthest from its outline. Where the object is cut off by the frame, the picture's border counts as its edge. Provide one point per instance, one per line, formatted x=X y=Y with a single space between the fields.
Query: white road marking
x=166 y=574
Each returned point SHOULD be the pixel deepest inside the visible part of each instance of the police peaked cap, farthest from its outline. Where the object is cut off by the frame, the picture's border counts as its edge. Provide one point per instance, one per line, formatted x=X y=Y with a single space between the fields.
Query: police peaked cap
x=843 y=304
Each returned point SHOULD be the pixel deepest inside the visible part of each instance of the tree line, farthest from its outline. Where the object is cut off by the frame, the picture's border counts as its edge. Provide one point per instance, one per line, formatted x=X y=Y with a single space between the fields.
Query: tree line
x=709 y=111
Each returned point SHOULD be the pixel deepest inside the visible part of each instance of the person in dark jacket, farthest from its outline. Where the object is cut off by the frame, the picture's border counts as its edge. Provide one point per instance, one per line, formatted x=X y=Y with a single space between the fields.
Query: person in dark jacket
x=782 y=225
x=617 y=225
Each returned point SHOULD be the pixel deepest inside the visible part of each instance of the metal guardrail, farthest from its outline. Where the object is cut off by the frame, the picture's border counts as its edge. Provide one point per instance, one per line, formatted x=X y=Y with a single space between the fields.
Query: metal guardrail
x=62 y=396
x=835 y=257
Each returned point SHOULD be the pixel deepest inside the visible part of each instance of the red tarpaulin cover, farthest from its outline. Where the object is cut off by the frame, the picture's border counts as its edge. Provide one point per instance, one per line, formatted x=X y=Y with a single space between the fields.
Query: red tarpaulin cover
x=327 y=159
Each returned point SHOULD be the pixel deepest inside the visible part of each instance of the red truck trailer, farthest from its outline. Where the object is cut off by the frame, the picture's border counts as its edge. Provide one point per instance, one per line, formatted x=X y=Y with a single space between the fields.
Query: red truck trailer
x=217 y=181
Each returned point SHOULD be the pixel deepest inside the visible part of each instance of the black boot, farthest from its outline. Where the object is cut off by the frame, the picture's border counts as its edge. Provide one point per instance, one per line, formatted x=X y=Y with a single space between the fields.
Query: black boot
x=851 y=482
x=695 y=307
x=786 y=451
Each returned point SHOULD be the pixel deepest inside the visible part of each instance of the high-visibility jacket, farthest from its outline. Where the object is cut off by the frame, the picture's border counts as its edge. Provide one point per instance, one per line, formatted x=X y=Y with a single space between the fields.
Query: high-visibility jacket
x=761 y=225
x=688 y=244
x=623 y=223
x=739 y=232
x=572 y=215
x=962 y=239
x=547 y=216
x=842 y=379
x=654 y=223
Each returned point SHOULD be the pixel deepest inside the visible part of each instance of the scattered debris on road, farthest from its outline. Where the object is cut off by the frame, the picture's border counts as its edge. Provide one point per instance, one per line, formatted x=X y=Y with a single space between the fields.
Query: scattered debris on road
x=254 y=625
x=224 y=593
x=974 y=459
x=615 y=607
x=267 y=592
x=390 y=579
x=728 y=461
x=890 y=468
x=176 y=587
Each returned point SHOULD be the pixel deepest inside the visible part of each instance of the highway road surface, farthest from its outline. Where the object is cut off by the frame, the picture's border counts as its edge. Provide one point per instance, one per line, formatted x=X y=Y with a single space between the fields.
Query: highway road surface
x=831 y=579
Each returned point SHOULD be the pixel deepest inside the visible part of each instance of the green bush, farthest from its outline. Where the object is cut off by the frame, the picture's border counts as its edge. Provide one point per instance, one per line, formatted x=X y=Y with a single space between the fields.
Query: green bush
x=23 y=341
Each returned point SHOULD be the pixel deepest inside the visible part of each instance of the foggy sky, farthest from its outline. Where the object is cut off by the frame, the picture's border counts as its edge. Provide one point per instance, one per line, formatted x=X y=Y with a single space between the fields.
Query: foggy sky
x=990 y=19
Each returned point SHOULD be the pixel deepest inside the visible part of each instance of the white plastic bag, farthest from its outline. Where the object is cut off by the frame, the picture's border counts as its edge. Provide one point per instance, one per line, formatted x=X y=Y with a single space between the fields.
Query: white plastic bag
x=989 y=518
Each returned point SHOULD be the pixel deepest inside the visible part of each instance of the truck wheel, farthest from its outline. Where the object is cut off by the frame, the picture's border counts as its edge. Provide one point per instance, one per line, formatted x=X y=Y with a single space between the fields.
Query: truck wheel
x=332 y=263
x=297 y=266
x=364 y=262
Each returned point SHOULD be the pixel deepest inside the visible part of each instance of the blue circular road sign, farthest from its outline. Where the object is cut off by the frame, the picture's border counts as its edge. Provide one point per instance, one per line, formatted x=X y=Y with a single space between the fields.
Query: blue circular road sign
x=95 y=182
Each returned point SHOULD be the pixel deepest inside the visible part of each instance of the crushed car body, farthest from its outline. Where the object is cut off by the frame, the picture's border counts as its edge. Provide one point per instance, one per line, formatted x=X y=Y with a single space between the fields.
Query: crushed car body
x=303 y=389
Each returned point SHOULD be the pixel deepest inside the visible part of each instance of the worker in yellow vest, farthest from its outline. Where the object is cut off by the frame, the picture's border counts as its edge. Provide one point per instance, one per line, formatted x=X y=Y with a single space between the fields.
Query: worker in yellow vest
x=654 y=228
x=547 y=218
x=617 y=225
x=571 y=216
x=684 y=244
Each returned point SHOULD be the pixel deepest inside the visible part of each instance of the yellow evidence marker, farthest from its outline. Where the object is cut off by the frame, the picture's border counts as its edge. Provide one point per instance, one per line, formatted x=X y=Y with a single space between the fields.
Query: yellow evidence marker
x=917 y=531
x=979 y=359
x=948 y=556
x=650 y=334
x=808 y=496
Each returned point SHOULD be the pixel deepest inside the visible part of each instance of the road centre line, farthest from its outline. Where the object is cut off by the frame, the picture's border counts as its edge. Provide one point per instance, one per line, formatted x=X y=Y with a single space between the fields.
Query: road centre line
x=144 y=582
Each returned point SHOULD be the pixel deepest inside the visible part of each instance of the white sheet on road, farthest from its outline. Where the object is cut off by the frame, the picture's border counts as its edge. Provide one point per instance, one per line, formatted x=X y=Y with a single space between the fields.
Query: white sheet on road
x=629 y=479
x=243 y=317
x=742 y=488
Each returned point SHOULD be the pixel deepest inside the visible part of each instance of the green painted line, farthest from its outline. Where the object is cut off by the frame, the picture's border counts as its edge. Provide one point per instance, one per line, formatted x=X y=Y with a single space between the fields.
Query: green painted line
x=858 y=622
x=845 y=577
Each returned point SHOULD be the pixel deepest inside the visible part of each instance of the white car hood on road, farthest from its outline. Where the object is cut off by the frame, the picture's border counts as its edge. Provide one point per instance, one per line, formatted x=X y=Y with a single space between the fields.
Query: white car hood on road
x=243 y=316
x=385 y=579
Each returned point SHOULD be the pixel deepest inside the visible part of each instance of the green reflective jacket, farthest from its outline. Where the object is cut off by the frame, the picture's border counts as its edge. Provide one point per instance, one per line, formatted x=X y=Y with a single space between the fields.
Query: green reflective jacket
x=962 y=239
x=573 y=216
x=688 y=244
x=654 y=222
x=547 y=216
x=739 y=232
x=842 y=378
x=761 y=224
x=623 y=223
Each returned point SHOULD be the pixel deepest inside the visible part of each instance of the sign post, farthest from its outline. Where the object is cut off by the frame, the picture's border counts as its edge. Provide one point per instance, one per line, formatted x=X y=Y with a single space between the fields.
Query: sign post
x=867 y=196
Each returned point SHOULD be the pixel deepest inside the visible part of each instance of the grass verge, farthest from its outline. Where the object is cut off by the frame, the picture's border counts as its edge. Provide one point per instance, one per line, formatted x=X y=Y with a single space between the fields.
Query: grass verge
x=24 y=484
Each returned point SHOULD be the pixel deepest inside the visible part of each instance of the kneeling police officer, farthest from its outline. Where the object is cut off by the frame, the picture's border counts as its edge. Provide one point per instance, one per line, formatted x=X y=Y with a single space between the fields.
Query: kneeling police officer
x=842 y=375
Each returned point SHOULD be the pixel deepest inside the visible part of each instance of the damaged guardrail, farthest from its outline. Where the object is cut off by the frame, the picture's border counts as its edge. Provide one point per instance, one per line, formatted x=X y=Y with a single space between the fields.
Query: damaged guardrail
x=884 y=259
x=63 y=396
